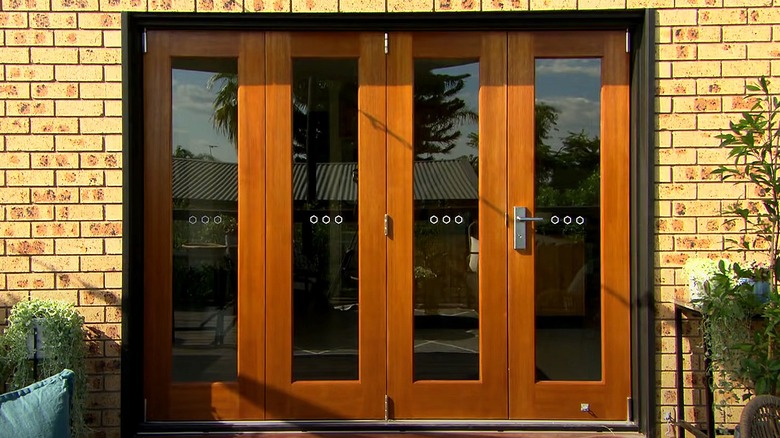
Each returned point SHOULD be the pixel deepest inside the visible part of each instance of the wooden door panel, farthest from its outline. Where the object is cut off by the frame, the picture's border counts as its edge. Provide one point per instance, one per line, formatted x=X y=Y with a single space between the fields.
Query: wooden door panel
x=530 y=396
x=485 y=396
x=288 y=398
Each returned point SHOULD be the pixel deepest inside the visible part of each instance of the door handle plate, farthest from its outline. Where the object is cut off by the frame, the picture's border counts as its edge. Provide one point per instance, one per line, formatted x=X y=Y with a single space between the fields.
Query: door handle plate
x=521 y=232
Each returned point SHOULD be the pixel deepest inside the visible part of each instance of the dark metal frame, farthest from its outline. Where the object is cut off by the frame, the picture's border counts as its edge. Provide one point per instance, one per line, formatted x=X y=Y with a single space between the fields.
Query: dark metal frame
x=640 y=24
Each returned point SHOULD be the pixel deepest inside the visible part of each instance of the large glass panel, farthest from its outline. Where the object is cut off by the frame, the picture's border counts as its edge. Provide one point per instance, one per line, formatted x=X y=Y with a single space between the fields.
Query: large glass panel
x=325 y=258
x=446 y=235
x=205 y=208
x=567 y=248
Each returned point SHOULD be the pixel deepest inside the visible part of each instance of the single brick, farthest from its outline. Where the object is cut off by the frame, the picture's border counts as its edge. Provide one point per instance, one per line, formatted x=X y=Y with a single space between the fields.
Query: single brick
x=14 y=125
x=723 y=16
x=37 y=280
x=113 y=178
x=112 y=38
x=100 y=56
x=60 y=125
x=19 y=230
x=112 y=73
x=92 y=315
x=80 y=280
x=100 y=297
x=79 y=213
x=27 y=38
x=718 y=225
x=762 y=51
x=663 y=105
x=54 y=263
x=112 y=108
x=601 y=4
x=54 y=160
x=676 y=87
x=675 y=225
x=78 y=38
x=720 y=191
x=101 y=195
x=101 y=125
x=53 y=20
x=738 y=103
x=79 y=178
x=712 y=156
x=750 y=68
x=714 y=121
x=696 y=69
x=14 y=195
x=15 y=55
x=14 y=264
x=694 y=173
x=224 y=6
x=268 y=5
x=720 y=86
x=663 y=174
x=30 y=108
x=29 y=247
x=113 y=143
x=769 y=15
x=362 y=6
x=536 y=5
x=70 y=5
x=29 y=212
x=29 y=73
x=55 y=195
x=14 y=91
x=79 y=246
x=676 y=191
x=29 y=178
x=743 y=3
x=101 y=229
x=101 y=90
x=644 y=4
x=701 y=34
x=29 y=143
x=123 y=5
x=14 y=161
x=722 y=51
x=409 y=5
x=79 y=73
x=688 y=139
x=171 y=5
x=113 y=246
x=102 y=20
x=460 y=5
x=676 y=17
x=696 y=104
x=55 y=229
x=687 y=243
x=55 y=55
x=59 y=90
x=663 y=35
x=113 y=212
x=65 y=108
x=698 y=3
x=96 y=160
x=10 y=20
x=676 y=51
x=79 y=143
x=676 y=121
x=102 y=263
x=747 y=33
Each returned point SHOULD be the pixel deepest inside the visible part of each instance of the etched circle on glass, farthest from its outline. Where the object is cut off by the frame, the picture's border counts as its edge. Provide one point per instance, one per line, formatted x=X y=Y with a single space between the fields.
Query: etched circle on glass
x=458 y=219
x=567 y=220
x=338 y=219
x=434 y=220
x=326 y=219
x=314 y=219
x=555 y=219
x=193 y=220
x=217 y=219
x=205 y=219
x=445 y=219
x=580 y=220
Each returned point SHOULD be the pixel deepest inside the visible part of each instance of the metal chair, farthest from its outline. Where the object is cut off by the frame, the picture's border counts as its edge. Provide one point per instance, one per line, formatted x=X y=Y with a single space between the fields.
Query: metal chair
x=761 y=418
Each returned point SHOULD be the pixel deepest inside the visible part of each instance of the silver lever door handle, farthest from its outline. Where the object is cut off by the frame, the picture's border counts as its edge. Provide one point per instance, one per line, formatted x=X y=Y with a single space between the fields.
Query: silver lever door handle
x=521 y=232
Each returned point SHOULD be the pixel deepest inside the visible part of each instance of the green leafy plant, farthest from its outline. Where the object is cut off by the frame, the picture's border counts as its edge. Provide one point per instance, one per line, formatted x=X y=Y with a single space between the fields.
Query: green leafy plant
x=62 y=346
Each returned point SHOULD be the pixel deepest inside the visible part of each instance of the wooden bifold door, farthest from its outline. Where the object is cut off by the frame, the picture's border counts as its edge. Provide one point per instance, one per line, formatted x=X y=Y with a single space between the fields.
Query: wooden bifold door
x=386 y=226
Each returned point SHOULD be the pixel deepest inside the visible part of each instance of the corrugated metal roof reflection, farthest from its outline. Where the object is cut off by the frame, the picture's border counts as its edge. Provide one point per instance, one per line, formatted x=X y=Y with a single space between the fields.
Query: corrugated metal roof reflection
x=216 y=181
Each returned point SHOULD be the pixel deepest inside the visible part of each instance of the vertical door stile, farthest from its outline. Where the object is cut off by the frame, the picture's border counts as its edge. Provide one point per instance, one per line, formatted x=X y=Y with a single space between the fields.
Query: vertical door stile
x=520 y=192
x=252 y=216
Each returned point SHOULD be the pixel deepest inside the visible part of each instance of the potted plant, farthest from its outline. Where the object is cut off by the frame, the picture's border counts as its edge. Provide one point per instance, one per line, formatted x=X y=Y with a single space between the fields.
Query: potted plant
x=59 y=344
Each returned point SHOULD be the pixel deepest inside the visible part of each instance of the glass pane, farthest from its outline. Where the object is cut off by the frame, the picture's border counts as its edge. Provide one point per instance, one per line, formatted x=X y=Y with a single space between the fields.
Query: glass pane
x=205 y=202
x=446 y=238
x=325 y=258
x=568 y=280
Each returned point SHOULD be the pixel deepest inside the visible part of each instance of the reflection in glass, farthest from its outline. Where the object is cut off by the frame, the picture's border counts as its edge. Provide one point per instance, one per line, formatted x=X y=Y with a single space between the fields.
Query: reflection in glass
x=567 y=243
x=446 y=237
x=325 y=239
x=204 y=219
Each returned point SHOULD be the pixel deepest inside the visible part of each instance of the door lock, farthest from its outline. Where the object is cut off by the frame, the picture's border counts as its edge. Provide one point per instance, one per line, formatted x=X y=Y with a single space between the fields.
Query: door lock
x=520 y=220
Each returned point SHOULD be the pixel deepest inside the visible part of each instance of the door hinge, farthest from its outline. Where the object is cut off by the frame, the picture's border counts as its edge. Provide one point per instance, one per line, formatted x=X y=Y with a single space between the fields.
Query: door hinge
x=144 y=410
x=628 y=42
x=388 y=402
x=630 y=409
x=143 y=41
x=387 y=225
x=387 y=43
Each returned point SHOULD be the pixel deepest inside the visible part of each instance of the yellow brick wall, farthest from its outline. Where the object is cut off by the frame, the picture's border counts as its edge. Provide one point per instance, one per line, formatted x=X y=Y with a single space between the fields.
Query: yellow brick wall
x=60 y=143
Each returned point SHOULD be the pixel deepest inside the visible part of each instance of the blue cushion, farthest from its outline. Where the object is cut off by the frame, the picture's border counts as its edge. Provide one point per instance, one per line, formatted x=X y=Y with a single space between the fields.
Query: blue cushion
x=41 y=410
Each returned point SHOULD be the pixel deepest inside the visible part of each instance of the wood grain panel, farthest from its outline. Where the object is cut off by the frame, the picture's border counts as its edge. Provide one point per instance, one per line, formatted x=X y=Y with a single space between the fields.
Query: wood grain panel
x=362 y=398
x=442 y=398
x=158 y=219
x=204 y=401
x=223 y=44
x=325 y=45
x=570 y=44
x=441 y=45
x=252 y=229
